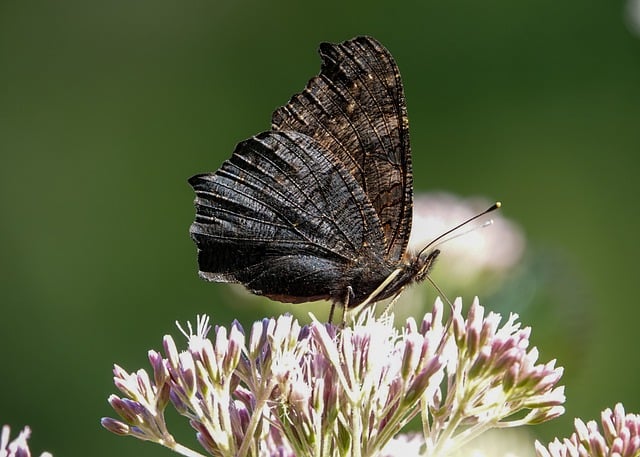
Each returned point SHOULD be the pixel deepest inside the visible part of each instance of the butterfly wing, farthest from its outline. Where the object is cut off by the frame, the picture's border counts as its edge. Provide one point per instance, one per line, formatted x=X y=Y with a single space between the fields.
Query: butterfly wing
x=355 y=109
x=283 y=217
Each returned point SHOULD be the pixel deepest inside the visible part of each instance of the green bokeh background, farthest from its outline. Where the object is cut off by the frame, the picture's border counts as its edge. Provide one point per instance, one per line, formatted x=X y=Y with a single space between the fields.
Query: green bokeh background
x=106 y=108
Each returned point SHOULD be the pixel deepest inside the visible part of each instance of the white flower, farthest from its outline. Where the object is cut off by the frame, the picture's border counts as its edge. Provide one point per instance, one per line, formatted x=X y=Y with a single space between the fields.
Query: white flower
x=19 y=446
x=497 y=248
x=326 y=390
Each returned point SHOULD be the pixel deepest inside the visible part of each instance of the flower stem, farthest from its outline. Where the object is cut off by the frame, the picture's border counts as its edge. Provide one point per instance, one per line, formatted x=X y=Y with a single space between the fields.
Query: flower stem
x=356 y=437
x=255 y=419
x=183 y=450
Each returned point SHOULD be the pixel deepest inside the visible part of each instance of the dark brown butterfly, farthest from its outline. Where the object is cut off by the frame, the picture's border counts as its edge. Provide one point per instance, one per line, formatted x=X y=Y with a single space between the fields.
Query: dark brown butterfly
x=320 y=206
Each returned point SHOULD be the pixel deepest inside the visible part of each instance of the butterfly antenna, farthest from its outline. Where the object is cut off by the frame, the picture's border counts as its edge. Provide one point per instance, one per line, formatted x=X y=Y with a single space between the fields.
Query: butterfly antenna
x=471 y=229
x=493 y=207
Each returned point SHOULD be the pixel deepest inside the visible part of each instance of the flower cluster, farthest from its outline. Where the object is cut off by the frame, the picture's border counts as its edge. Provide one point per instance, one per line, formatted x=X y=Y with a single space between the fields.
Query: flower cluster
x=492 y=381
x=19 y=446
x=325 y=390
x=620 y=436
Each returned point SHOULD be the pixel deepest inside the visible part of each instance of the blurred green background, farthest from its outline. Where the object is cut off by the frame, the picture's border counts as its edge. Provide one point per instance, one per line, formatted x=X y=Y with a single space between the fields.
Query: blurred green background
x=106 y=108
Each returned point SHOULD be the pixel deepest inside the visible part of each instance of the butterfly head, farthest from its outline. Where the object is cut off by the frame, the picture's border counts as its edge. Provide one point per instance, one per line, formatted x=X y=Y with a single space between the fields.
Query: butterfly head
x=419 y=267
x=414 y=269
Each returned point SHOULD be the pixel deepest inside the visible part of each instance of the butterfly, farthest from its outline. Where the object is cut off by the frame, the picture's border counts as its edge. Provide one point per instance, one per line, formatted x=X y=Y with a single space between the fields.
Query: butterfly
x=320 y=206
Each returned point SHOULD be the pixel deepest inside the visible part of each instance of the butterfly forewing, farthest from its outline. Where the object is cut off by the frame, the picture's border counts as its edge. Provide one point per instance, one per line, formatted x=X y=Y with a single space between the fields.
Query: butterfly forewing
x=355 y=109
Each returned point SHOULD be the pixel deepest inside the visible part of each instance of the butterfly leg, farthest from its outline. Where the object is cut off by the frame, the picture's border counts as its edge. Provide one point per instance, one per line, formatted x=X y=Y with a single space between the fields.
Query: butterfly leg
x=345 y=306
x=333 y=307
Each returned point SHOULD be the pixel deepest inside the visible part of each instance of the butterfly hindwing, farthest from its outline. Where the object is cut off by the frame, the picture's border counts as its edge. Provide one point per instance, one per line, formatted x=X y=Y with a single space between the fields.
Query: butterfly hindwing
x=283 y=217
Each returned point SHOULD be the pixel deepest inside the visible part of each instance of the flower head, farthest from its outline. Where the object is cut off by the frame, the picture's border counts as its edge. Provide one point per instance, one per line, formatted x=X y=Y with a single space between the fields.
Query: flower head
x=492 y=380
x=19 y=446
x=620 y=436
x=324 y=390
x=479 y=257
x=479 y=251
